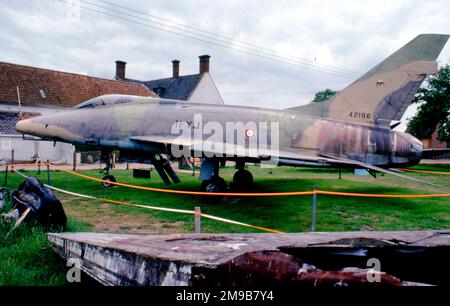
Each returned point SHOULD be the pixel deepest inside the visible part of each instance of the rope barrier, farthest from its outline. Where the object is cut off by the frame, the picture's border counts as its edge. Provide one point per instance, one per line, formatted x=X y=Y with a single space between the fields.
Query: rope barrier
x=266 y=194
x=182 y=211
x=426 y=171
x=252 y=194
x=369 y=195
x=186 y=192
x=24 y=165
x=193 y=212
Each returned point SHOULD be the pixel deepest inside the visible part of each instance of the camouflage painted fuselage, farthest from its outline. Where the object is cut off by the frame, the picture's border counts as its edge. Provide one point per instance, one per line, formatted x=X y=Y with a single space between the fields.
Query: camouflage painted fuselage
x=352 y=129
x=113 y=122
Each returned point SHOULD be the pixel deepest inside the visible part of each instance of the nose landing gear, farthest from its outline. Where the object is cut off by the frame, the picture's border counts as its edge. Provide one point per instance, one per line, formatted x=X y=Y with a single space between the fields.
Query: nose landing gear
x=107 y=179
x=107 y=158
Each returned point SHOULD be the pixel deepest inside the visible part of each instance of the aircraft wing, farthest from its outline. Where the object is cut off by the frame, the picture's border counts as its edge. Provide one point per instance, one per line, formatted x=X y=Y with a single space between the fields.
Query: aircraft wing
x=211 y=148
x=387 y=171
x=214 y=148
x=164 y=139
x=277 y=157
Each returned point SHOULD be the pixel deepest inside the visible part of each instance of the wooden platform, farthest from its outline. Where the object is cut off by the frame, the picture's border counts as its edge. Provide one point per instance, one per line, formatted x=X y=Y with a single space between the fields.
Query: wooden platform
x=213 y=259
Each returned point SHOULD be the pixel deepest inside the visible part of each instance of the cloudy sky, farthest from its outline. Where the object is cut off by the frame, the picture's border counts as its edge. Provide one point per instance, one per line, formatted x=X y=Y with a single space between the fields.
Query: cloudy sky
x=264 y=53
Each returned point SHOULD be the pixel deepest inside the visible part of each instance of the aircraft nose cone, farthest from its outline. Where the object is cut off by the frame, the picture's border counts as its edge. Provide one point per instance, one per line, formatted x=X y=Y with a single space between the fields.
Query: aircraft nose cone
x=23 y=126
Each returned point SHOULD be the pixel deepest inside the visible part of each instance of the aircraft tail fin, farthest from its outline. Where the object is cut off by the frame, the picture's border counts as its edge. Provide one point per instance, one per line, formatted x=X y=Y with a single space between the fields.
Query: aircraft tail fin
x=384 y=92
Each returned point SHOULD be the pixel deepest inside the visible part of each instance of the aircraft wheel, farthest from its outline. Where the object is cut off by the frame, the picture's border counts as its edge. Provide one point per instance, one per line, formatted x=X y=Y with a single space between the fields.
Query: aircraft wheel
x=242 y=179
x=215 y=184
x=108 y=178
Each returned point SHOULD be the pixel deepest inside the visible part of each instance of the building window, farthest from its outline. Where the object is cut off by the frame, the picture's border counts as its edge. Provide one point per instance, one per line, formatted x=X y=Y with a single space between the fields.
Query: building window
x=42 y=93
x=159 y=91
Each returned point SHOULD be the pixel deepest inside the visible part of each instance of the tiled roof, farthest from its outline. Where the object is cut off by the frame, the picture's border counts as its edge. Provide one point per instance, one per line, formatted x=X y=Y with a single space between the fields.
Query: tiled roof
x=43 y=87
x=8 y=121
x=179 y=88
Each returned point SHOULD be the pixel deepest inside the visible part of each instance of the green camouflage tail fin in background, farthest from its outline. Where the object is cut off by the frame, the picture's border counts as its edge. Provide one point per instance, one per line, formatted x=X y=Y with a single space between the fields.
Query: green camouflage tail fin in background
x=383 y=94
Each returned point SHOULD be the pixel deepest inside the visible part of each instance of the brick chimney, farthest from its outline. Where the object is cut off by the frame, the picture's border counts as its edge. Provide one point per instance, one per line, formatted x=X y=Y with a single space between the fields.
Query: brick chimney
x=175 y=69
x=204 y=63
x=120 y=70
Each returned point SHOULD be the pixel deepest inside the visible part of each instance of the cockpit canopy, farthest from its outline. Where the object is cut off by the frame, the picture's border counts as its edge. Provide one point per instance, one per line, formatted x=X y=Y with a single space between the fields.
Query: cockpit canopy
x=109 y=100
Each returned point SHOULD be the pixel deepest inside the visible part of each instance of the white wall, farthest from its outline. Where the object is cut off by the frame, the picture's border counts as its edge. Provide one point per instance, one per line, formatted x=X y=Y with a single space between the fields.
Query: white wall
x=206 y=91
x=24 y=150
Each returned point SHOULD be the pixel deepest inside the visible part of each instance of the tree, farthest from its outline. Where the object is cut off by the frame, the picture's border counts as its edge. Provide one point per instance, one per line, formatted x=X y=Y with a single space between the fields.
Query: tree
x=324 y=95
x=434 y=109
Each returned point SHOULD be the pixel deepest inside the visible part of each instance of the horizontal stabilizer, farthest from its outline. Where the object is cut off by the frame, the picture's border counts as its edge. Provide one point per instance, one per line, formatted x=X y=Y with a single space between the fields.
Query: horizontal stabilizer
x=434 y=152
x=382 y=170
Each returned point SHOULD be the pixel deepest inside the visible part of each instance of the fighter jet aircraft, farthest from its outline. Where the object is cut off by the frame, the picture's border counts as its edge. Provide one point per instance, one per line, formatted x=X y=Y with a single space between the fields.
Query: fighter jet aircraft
x=351 y=130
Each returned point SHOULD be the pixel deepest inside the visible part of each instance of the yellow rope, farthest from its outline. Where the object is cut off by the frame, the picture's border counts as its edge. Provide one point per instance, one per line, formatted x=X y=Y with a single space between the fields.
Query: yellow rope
x=424 y=171
x=161 y=209
x=266 y=194
x=371 y=195
x=259 y=194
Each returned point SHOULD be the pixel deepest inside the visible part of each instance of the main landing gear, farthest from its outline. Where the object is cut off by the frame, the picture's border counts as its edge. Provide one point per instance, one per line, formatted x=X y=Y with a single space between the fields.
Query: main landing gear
x=214 y=184
x=242 y=179
x=209 y=174
x=107 y=157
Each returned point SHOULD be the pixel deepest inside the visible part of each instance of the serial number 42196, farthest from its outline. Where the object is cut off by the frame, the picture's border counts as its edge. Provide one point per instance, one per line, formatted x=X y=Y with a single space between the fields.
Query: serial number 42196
x=358 y=115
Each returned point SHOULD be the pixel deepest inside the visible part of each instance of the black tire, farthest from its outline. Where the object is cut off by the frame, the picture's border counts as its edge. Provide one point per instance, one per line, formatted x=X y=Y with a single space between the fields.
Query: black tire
x=215 y=184
x=109 y=178
x=242 y=179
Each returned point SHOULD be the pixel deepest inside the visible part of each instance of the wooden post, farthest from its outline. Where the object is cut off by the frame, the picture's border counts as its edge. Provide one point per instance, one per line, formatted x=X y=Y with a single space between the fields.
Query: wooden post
x=340 y=175
x=6 y=177
x=197 y=220
x=314 y=208
x=74 y=160
x=12 y=160
x=48 y=172
x=128 y=166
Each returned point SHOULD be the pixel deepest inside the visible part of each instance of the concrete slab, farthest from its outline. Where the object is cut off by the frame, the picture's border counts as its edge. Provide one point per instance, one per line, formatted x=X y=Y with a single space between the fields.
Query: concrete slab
x=209 y=259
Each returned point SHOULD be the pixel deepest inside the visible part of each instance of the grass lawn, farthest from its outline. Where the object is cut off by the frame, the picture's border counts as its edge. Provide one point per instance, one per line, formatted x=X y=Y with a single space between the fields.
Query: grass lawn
x=26 y=259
